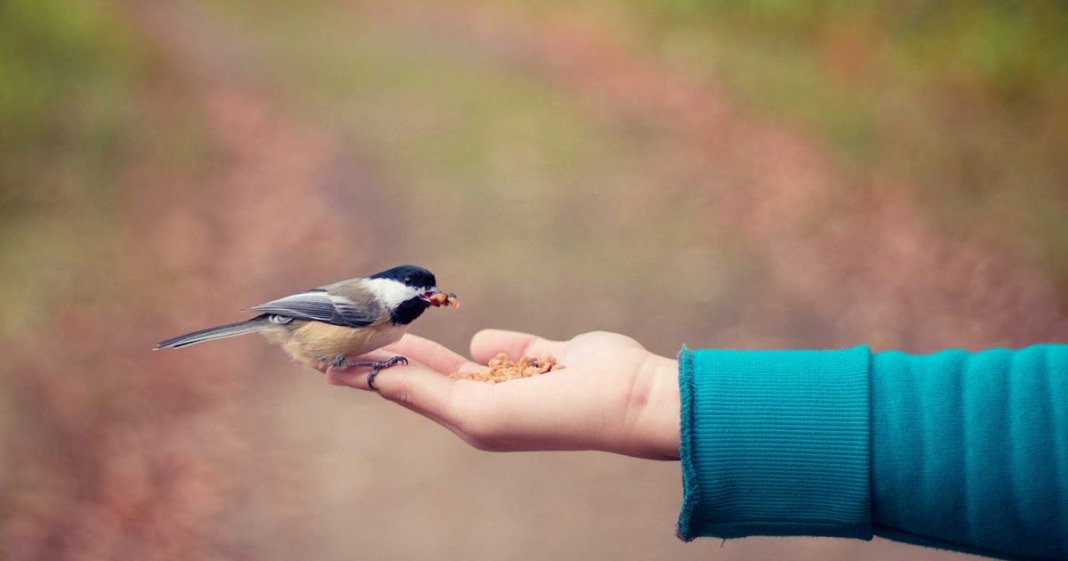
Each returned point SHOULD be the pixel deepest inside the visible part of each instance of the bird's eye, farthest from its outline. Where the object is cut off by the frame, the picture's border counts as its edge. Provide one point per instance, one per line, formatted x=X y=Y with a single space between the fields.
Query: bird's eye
x=407 y=280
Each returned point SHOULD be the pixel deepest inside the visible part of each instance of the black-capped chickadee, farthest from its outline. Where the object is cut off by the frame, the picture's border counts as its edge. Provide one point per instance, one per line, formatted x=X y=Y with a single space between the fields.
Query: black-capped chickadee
x=326 y=326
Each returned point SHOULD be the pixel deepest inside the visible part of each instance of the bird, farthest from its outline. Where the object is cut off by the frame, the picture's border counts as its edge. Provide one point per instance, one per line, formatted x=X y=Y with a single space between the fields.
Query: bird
x=328 y=325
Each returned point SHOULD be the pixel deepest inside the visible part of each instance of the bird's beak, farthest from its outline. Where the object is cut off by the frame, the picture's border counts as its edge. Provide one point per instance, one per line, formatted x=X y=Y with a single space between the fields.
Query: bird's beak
x=435 y=297
x=428 y=296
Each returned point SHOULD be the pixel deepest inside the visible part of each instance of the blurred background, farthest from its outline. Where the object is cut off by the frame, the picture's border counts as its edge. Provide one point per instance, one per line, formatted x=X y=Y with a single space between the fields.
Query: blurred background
x=733 y=173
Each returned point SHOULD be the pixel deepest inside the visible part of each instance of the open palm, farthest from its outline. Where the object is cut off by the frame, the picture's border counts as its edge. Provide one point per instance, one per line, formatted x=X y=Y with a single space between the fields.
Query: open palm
x=611 y=395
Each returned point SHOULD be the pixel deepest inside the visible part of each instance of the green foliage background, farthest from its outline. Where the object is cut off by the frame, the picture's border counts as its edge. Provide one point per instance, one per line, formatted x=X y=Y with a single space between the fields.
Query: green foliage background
x=68 y=73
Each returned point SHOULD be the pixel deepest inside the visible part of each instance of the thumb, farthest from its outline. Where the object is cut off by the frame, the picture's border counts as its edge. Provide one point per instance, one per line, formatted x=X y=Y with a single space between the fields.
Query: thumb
x=488 y=343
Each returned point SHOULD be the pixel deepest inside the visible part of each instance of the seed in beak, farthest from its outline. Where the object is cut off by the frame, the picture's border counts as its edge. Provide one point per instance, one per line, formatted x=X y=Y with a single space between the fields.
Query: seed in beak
x=440 y=299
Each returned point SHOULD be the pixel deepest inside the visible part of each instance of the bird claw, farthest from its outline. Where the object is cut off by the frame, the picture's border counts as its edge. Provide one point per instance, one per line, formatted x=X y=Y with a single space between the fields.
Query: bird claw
x=342 y=361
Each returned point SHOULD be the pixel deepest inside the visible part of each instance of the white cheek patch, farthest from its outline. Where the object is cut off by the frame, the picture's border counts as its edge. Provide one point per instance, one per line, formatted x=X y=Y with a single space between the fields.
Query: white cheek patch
x=390 y=292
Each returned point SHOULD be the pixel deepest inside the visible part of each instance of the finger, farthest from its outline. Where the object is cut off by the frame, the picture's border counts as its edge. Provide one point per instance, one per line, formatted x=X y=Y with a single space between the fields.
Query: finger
x=414 y=386
x=430 y=353
x=356 y=376
x=488 y=343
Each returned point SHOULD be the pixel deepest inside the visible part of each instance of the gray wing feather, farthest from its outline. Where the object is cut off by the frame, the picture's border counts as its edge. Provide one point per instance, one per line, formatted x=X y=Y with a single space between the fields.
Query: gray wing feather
x=318 y=305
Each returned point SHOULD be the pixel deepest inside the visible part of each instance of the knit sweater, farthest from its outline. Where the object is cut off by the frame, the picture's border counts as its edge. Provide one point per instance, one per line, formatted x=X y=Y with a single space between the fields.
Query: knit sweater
x=956 y=450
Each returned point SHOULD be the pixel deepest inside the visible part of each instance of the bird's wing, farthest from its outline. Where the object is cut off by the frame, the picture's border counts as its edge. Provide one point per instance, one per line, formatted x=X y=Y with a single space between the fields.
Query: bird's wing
x=319 y=305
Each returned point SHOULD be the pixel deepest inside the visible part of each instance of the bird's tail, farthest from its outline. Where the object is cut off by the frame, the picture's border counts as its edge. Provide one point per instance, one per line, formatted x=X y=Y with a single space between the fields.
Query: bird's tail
x=211 y=333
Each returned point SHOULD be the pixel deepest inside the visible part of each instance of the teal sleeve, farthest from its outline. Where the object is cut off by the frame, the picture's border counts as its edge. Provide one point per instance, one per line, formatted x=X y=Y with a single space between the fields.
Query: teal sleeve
x=965 y=451
x=775 y=443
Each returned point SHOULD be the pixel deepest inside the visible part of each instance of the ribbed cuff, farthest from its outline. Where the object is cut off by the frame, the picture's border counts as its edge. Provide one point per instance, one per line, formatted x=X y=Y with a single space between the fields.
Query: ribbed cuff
x=775 y=443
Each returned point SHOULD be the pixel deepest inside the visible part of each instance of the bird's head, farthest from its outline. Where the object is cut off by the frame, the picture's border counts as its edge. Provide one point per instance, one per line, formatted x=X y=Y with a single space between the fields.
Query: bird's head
x=407 y=291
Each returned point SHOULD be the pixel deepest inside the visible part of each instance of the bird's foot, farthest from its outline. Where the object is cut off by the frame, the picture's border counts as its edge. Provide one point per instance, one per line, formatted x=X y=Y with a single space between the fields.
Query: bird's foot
x=375 y=366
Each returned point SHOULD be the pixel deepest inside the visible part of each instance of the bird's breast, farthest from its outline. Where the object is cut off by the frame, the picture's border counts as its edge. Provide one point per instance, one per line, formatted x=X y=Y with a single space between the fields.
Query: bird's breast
x=315 y=341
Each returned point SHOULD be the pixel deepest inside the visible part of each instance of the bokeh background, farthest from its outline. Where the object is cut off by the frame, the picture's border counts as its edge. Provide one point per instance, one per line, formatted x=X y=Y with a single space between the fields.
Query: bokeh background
x=735 y=173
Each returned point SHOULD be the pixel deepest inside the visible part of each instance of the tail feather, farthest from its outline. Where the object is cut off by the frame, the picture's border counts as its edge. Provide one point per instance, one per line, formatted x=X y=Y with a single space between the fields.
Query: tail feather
x=211 y=333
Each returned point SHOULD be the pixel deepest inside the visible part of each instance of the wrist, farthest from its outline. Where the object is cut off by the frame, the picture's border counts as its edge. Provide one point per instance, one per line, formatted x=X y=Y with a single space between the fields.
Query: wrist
x=656 y=429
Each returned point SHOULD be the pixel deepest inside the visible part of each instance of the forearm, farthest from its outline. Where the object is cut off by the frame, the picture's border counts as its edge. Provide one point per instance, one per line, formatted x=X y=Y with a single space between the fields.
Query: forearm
x=958 y=450
x=970 y=450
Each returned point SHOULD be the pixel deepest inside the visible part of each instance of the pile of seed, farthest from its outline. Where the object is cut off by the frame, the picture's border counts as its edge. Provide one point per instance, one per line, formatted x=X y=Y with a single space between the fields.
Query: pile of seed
x=502 y=369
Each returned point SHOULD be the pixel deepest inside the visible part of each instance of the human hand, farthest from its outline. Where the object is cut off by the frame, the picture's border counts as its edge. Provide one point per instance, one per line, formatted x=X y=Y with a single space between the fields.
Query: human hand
x=612 y=395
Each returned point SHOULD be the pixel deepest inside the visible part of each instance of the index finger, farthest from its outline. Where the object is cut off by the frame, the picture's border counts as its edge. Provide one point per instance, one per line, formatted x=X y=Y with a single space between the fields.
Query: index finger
x=429 y=353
